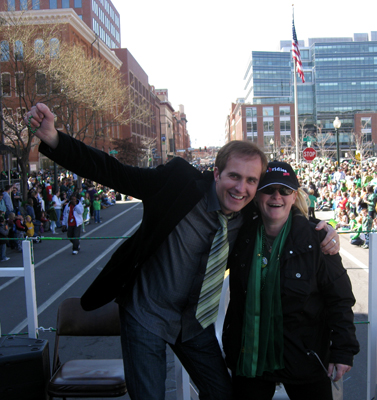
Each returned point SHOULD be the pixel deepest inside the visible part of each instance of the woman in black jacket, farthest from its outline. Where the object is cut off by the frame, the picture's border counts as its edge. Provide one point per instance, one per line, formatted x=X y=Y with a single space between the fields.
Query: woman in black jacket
x=290 y=316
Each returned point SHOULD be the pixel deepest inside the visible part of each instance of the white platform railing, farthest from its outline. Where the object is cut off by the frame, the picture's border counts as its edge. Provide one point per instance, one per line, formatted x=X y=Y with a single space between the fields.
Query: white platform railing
x=28 y=273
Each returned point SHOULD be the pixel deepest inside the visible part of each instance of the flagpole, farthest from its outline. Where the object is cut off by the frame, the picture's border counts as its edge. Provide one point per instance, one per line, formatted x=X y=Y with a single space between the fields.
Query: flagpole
x=295 y=96
x=296 y=110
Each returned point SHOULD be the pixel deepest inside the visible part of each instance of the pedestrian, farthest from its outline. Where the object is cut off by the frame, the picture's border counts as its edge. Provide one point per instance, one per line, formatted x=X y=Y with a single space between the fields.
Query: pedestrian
x=97 y=209
x=313 y=201
x=21 y=230
x=8 y=200
x=72 y=221
x=30 y=210
x=53 y=217
x=49 y=195
x=3 y=207
x=290 y=316
x=16 y=199
x=58 y=205
x=30 y=229
x=370 y=199
x=86 y=216
x=159 y=276
x=3 y=235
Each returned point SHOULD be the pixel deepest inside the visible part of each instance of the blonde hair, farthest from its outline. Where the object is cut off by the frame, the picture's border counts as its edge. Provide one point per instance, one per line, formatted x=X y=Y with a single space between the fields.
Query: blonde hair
x=302 y=202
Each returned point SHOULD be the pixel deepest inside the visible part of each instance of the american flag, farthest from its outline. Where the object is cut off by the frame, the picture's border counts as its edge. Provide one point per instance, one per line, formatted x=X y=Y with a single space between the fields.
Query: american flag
x=296 y=53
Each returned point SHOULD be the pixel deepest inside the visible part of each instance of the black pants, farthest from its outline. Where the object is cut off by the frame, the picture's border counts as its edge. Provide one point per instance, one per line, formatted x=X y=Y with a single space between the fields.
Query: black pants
x=259 y=389
x=74 y=232
x=311 y=212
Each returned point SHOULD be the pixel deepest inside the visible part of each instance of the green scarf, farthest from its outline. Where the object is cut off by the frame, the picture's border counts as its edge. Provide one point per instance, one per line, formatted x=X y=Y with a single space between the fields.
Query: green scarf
x=262 y=335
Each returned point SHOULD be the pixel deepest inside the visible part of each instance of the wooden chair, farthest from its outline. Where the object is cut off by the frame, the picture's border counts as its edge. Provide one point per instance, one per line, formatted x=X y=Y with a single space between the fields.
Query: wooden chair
x=90 y=377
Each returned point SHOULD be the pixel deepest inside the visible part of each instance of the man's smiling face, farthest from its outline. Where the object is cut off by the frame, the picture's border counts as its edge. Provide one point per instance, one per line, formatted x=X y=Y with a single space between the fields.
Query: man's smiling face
x=238 y=182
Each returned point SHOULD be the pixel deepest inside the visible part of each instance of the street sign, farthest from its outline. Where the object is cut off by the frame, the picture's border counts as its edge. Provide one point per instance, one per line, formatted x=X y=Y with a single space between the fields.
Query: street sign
x=309 y=154
x=309 y=139
x=113 y=152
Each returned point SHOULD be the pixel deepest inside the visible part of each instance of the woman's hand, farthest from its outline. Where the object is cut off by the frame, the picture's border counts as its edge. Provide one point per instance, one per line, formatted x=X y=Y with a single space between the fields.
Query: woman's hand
x=341 y=369
x=330 y=244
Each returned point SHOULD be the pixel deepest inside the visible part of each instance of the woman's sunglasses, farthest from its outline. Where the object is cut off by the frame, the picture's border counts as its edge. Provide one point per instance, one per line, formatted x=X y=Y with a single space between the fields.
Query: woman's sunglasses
x=283 y=191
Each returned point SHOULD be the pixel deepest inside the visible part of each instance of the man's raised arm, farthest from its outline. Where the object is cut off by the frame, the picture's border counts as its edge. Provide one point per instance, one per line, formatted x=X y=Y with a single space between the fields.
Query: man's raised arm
x=40 y=121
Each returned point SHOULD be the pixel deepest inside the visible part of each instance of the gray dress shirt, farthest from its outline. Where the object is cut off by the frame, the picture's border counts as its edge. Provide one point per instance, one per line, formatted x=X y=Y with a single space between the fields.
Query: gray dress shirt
x=166 y=292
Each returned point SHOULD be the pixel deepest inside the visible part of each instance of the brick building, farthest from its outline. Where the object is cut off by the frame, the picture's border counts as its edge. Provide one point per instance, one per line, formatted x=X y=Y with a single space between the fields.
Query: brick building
x=95 y=25
x=100 y=15
x=271 y=126
x=75 y=31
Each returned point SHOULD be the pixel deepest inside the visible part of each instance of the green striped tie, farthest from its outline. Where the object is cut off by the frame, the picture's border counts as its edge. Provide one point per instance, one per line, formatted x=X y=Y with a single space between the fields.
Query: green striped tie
x=208 y=304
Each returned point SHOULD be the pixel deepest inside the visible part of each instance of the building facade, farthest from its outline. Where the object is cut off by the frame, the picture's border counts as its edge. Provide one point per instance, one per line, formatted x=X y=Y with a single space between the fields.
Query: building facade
x=268 y=125
x=100 y=15
x=95 y=25
x=18 y=88
x=340 y=81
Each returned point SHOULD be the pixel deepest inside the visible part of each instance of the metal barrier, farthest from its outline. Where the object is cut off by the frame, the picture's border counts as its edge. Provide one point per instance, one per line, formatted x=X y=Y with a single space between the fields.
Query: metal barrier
x=372 y=316
x=28 y=272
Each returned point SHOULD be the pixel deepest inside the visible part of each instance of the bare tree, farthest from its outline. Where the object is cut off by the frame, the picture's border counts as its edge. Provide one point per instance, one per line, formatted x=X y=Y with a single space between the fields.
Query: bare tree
x=23 y=46
x=87 y=95
x=129 y=152
x=323 y=142
x=363 y=146
x=92 y=94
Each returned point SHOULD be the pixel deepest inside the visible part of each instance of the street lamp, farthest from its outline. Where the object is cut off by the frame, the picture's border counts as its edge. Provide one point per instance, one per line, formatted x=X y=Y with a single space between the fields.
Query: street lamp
x=337 y=124
x=272 y=148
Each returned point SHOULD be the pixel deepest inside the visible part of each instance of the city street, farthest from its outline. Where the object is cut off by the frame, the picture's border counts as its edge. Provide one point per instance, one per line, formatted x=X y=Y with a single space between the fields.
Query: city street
x=59 y=275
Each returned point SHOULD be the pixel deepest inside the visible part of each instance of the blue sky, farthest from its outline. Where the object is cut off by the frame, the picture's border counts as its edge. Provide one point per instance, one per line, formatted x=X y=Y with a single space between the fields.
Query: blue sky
x=198 y=50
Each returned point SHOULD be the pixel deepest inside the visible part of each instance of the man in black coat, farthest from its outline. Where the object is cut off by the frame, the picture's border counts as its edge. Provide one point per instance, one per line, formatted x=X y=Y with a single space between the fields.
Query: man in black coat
x=156 y=276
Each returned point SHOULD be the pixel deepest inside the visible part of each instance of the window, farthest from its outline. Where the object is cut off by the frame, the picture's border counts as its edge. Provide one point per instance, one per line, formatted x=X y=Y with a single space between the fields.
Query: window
x=5 y=83
x=65 y=3
x=39 y=48
x=40 y=80
x=251 y=112
x=55 y=88
x=285 y=126
x=20 y=112
x=284 y=110
x=53 y=4
x=366 y=125
x=23 y=4
x=4 y=48
x=285 y=139
x=268 y=111
x=268 y=125
x=266 y=140
x=78 y=3
x=20 y=84
x=18 y=51
x=35 y=4
x=54 y=48
x=11 y=5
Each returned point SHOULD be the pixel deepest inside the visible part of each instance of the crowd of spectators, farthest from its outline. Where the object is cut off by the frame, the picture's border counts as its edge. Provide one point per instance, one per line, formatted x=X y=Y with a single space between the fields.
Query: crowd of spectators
x=348 y=191
x=40 y=210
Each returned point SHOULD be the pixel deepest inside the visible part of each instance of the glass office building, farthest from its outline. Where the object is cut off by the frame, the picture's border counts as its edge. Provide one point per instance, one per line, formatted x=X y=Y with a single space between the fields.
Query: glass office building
x=345 y=81
x=340 y=81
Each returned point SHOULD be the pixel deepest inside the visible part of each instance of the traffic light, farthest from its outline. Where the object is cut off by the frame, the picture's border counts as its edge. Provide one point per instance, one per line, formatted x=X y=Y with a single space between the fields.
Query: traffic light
x=205 y=148
x=200 y=149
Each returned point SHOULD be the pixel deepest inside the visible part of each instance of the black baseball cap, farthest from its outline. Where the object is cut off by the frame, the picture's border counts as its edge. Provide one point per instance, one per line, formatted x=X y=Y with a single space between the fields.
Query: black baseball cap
x=279 y=173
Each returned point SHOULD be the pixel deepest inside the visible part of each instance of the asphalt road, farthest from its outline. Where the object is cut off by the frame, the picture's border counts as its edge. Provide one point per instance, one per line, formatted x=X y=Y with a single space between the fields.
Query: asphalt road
x=59 y=275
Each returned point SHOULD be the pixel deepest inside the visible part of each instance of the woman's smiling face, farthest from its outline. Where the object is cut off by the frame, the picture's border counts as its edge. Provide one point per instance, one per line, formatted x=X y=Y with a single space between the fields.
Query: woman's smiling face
x=275 y=208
